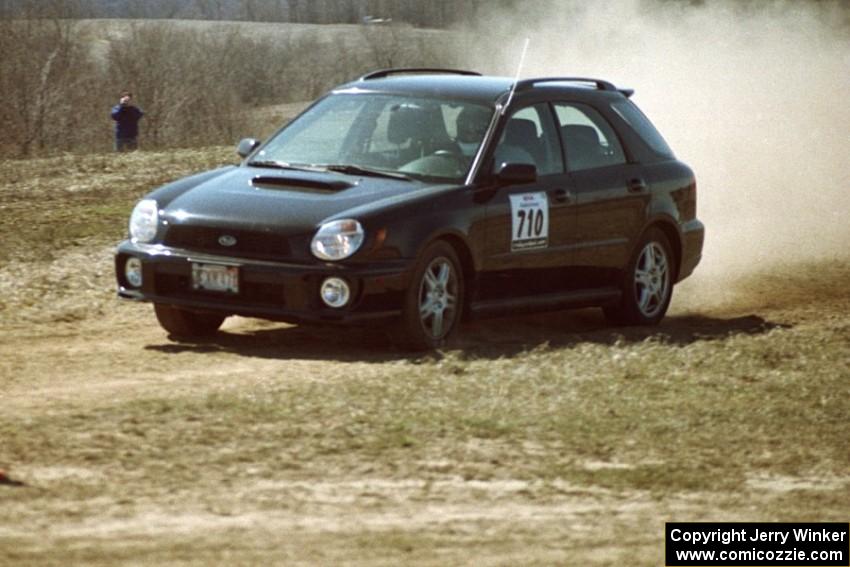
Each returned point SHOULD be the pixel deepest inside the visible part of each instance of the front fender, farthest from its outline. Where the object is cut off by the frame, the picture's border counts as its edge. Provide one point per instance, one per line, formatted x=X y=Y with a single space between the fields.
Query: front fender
x=451 y=215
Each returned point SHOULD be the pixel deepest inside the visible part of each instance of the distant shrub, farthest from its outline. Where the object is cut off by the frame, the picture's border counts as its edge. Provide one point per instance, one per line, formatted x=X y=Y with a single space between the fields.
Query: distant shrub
x=199 y=84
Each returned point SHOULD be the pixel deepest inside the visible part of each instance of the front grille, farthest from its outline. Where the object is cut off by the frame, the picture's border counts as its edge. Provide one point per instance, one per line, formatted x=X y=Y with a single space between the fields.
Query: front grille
x=178 y=286
x=249 y=244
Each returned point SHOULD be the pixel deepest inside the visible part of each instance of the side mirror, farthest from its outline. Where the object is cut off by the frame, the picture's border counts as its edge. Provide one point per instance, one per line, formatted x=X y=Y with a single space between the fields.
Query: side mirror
x=517 y=173
x=246 y=146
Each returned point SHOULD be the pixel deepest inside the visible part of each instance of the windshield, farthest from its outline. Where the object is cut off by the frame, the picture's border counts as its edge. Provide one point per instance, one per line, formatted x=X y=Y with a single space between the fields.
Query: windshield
x=361 y=132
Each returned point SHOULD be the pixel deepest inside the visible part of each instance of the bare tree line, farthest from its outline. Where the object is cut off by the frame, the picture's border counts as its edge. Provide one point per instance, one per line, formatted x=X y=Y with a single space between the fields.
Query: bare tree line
x=44 y=78
x=199 y=85
x=434 y=13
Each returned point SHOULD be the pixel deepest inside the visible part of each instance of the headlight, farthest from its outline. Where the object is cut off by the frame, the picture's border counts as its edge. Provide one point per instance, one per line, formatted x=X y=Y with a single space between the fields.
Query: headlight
x=143 y=221
x=337 y=240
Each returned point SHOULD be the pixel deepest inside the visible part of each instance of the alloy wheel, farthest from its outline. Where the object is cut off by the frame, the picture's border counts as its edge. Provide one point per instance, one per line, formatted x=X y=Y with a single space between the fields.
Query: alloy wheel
x=438 y=298
x=652 y=279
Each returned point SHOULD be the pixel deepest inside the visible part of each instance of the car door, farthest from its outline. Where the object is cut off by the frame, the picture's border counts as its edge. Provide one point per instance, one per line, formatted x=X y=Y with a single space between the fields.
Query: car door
x=530 y=226
x=612 y=195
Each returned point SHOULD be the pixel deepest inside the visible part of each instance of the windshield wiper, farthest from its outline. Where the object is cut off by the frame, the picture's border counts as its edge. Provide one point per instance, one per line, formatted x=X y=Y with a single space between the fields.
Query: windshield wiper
x=340 y=168
x=358 y=170
x=282 y=165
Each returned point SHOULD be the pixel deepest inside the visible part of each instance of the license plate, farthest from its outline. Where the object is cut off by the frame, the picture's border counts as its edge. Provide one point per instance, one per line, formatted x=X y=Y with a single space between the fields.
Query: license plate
x=215 y=277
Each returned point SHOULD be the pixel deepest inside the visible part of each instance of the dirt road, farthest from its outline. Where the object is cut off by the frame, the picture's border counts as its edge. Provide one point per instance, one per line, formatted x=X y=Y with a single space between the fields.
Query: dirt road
x=133 y=449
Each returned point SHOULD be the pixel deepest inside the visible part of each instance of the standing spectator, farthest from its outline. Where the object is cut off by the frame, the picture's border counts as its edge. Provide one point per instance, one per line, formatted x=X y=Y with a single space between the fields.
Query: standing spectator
x=126 y=117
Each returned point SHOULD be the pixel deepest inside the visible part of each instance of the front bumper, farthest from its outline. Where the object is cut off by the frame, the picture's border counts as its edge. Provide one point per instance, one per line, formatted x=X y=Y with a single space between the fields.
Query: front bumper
x=269 y=290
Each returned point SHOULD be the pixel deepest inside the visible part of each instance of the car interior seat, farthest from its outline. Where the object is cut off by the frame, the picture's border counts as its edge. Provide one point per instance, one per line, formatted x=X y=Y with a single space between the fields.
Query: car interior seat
x=520 y=144
x=407 y=130
x=584 y=149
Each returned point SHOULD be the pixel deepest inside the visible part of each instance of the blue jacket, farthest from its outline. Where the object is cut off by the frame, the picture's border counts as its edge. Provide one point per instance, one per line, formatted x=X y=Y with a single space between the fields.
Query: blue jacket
x=126 y=121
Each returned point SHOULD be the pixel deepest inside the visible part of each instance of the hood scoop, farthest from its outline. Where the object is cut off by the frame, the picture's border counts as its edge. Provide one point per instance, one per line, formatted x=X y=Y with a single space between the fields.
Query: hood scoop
x=299 y=182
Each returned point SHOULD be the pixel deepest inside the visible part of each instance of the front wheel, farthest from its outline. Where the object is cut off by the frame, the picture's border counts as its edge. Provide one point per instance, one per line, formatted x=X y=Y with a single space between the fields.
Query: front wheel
x=186 y=323
x=433 y=302
x=648 y=285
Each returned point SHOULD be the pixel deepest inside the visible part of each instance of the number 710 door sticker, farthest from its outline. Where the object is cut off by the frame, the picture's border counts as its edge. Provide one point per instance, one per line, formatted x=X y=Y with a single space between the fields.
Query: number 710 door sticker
x=529 y=221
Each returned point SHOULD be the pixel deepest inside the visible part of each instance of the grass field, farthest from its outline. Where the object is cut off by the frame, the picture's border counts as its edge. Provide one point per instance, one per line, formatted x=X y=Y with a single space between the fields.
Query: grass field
x=540 y=440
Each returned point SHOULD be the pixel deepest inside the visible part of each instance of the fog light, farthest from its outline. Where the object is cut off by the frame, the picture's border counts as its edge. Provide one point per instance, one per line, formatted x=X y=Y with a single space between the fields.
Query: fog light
x=335 y=292
x=133 y=272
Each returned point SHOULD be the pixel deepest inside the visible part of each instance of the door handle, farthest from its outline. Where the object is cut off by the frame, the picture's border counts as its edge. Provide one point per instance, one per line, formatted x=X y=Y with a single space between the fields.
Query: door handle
x=637 y=185
x=562 y=195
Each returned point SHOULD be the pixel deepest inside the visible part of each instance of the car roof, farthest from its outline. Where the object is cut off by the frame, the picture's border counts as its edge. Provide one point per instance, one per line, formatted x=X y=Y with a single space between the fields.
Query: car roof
x=483 y=89
x=468 y=85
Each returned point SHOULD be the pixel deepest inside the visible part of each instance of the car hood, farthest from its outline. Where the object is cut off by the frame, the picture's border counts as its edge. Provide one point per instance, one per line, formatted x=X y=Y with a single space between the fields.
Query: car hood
x=279 y=201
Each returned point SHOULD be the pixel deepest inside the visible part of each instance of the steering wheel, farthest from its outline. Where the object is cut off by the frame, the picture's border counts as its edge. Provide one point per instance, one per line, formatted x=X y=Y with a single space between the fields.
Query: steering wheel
x=454 y=156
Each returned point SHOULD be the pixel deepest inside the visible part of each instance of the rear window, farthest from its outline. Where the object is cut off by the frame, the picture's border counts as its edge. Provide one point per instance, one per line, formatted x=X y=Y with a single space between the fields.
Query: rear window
x=641 y=124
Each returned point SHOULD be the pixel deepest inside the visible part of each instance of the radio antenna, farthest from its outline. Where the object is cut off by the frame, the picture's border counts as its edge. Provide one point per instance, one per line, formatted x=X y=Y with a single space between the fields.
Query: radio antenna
x=516 y=78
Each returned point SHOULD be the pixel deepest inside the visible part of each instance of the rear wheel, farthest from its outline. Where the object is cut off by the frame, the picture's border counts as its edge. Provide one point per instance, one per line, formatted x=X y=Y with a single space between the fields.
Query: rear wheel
x=434 y=300
x=186 y=323
x=648 y=284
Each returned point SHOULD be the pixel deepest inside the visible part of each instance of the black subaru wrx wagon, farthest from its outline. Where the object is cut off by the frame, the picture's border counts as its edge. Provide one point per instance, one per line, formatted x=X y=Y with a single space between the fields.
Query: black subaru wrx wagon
x=418 y=198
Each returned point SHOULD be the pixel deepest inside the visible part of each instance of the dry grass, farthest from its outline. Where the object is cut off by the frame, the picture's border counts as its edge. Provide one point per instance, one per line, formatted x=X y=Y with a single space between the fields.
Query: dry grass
x=541 y=440
x=50 y=204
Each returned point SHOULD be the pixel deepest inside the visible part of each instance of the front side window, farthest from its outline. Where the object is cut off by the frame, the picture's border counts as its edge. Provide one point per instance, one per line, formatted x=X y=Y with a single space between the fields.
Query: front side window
x=529 y=137
x=589 y=141
x=416 y=136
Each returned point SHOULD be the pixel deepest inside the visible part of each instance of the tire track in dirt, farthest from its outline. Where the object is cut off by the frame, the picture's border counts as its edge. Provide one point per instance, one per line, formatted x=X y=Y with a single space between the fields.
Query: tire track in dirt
x=82 y=344
x=116 y=353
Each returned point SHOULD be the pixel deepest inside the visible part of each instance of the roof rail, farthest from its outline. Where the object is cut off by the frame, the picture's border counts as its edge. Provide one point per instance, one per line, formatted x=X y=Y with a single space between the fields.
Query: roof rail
x=599 y=83
x=415 y=70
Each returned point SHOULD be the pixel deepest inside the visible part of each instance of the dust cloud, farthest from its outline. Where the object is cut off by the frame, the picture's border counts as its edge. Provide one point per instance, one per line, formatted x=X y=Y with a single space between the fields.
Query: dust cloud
x=751 y=95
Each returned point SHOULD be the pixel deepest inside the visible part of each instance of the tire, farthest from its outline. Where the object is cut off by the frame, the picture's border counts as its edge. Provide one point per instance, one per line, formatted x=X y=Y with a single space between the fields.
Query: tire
x=433 y=303
x=648 y=283
x=185 y=323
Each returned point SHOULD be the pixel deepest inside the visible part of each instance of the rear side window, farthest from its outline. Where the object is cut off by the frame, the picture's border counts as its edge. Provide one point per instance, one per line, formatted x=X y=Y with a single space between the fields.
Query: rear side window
x=644 y=128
